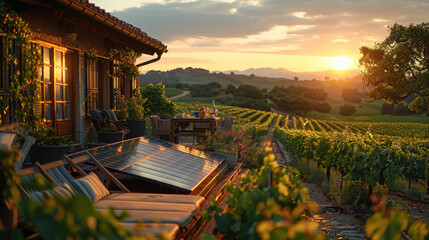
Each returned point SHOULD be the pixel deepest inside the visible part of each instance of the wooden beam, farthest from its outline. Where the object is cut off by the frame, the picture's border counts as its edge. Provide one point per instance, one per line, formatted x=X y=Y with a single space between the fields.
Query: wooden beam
x=44 y=173
x=75 y=166
x=108 y=174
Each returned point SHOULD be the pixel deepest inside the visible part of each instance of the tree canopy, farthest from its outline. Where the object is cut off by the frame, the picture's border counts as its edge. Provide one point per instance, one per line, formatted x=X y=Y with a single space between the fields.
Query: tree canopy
x=398 y=67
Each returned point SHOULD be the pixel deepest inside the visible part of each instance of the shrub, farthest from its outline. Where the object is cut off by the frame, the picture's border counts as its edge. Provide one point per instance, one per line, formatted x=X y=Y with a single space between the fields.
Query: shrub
x=258 y=211
x=347 y=110
x=157 y=102
x=323 y=107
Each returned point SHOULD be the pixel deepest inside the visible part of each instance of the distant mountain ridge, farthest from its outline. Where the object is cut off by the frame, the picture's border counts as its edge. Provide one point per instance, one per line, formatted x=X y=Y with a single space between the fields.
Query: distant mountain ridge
x=284 y=73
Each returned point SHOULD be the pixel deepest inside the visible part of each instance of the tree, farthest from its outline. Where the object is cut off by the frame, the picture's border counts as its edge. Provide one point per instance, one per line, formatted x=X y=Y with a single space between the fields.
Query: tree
x=351 y=95
x=249 y=91
x=399 y=67
x=347 y=110
x=316 y=94
x=323 y=107
x=296 y=78
x=386 y=109
x=402 y=110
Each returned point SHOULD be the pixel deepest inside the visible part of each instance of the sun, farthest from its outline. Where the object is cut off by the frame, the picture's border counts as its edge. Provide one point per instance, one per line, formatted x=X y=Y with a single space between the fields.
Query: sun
x=341 y=63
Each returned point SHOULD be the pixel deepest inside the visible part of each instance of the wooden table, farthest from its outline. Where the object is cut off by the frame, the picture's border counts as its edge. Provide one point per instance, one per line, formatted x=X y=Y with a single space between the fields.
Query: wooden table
x=195 y=127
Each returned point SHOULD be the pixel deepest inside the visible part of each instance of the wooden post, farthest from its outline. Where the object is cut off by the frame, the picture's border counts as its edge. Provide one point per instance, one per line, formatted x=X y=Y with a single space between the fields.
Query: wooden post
x=328 y=173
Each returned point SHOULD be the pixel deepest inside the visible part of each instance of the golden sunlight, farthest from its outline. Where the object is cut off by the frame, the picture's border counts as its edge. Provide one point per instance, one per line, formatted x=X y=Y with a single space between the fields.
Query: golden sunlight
x=342 y=63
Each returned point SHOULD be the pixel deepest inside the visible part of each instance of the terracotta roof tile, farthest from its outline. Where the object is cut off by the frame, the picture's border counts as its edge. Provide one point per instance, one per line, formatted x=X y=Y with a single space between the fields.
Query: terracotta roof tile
x=152 y=41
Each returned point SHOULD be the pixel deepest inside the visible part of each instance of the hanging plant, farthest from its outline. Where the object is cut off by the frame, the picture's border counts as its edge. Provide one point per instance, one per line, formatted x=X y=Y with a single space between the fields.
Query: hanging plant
x=125 y=62
x=91 y=54
x=27 y=60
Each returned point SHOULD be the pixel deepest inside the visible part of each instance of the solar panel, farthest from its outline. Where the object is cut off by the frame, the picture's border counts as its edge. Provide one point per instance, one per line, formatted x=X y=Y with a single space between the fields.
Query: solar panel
x=159 y=161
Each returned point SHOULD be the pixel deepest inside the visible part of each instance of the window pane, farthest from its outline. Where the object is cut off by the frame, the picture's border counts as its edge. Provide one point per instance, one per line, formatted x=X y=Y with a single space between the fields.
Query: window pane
x=67 y=77
x=59 y=75
x=68 y=93
x=47 y=56
x=59 y=96
x=59 y=111
x=58 y=58
x=47 y=73
x=48 y=112
x=67 y=110
x=40 y=74
x=47 y=92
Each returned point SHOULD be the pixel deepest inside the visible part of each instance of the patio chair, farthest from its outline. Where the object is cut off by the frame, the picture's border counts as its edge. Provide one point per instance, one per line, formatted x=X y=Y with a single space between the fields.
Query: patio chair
x=160 y=127
x=162 y=211
x=110 y=117
x=225 y=125
x=97 y=119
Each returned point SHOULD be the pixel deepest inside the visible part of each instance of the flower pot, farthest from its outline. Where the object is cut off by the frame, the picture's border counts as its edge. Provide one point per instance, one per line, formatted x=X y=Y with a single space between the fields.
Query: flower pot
x=110 y=136
x=137 y=128
x=230 y=158
x=8 y=215
x=47 y=153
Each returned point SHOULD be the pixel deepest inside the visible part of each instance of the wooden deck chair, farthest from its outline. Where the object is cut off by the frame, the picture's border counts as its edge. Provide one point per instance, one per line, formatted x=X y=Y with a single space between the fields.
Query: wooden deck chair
x=162 y=208
x=154 y=229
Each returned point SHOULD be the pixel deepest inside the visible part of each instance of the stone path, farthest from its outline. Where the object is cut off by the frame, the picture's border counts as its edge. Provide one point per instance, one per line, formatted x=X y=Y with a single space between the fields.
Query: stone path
x=336 y=224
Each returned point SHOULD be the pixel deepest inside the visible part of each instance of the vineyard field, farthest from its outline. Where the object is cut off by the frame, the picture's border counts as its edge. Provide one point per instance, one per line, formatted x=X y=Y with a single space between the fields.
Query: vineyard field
x=245 y=117
x=360 y=156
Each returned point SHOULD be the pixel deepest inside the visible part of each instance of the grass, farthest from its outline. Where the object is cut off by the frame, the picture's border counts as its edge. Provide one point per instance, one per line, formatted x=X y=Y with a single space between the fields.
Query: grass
x=401 y=185
x=170 y=92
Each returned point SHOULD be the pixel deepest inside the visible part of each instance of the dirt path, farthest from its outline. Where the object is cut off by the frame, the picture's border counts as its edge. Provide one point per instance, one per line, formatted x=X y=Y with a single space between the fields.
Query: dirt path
x=184 y=93
x=336 y=224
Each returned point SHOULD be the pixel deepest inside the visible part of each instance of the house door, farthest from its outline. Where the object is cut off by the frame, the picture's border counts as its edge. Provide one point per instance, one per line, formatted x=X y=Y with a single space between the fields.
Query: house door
x=56 y=86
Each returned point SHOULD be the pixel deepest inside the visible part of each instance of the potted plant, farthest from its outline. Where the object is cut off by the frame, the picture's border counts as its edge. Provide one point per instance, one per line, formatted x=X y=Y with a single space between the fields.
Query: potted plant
x=232 y=145
x=9 y=191
x=132 y=111
x=48 y=146
x=111 y=134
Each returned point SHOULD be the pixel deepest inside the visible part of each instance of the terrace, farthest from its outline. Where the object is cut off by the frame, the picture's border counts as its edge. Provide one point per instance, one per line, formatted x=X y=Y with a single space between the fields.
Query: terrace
x=78 y=60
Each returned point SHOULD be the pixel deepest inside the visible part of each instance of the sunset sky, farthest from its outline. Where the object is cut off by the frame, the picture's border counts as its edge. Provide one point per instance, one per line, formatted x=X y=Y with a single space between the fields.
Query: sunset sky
x=298 y=35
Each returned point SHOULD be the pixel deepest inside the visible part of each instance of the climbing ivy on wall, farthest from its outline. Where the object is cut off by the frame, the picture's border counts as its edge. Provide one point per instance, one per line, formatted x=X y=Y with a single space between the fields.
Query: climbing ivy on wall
x=26 y=61
x=125 y=62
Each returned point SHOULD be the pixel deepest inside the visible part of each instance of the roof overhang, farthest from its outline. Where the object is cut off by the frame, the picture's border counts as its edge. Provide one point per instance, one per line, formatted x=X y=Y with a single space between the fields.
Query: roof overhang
x=140 y=41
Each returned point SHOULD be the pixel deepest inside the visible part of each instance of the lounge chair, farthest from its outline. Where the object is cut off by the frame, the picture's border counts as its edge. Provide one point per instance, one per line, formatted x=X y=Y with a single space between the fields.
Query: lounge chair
x=162 y=211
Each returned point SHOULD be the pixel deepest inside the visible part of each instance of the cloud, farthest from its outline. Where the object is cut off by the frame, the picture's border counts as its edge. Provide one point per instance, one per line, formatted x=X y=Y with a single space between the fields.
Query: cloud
x=293 y=27
x=339 y=40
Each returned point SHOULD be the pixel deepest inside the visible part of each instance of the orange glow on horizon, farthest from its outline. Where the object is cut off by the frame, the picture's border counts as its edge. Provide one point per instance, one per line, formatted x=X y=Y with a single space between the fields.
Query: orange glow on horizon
x=342 y=63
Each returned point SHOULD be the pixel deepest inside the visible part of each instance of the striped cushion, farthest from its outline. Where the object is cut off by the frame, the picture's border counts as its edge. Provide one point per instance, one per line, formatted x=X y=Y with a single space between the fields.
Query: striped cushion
x=92 y=182
x=62 y=190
